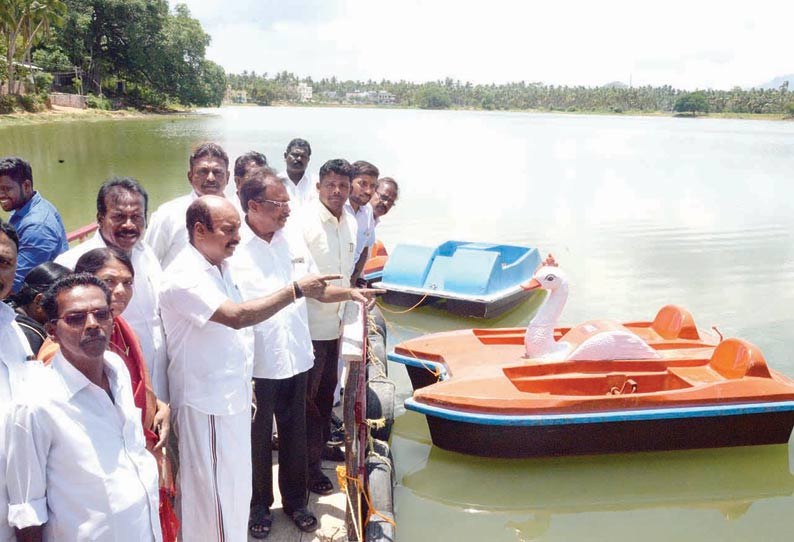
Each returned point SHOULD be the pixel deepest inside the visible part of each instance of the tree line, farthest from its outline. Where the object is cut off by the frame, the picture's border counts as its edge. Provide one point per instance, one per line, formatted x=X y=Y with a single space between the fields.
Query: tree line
x=448 y=93
x=138 y=53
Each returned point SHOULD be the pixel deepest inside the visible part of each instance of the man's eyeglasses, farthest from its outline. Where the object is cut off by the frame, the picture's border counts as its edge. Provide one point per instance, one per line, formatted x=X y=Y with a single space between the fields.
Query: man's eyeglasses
x=387 y=200
x=274 y=203
x=78 y=319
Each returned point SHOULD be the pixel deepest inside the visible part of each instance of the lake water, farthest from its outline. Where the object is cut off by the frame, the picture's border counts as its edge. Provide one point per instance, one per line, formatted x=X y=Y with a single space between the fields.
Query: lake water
x=640 y=211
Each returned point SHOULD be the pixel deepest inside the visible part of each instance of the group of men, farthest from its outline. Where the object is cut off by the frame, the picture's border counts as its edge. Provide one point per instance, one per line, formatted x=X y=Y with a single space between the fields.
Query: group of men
x=232 y=283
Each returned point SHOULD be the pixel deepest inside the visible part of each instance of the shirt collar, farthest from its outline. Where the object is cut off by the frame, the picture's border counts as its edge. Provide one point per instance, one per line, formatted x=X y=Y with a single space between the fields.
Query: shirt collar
x=74 y=380
x=203 y=264
x=326 y=215
x=32 y=202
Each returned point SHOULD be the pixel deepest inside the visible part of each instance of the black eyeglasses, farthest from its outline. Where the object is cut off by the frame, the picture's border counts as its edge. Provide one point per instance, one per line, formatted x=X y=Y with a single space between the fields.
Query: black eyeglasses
x=387 y=200
x=78 y=319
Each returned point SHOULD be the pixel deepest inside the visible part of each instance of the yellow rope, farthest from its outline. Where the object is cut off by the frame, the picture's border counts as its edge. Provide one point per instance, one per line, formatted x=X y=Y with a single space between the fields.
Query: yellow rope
x=406 y=310
x=343 y=478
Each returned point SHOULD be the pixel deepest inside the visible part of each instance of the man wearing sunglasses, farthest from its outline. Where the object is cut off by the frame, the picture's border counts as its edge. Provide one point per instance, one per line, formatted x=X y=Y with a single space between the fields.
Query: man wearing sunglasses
x=77 y=461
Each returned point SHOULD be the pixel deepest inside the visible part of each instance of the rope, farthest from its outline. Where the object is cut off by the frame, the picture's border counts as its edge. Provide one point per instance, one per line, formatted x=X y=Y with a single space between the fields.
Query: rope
x=343 y=478
x=435 y=371
x=383 y=308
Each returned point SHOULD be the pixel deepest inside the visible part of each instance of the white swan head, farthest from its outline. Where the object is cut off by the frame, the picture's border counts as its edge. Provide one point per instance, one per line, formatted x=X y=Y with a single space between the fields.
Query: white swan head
x=547 y=277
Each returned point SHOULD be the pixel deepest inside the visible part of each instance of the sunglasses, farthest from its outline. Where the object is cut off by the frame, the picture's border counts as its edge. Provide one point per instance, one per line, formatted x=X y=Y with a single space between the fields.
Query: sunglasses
x=78 y=319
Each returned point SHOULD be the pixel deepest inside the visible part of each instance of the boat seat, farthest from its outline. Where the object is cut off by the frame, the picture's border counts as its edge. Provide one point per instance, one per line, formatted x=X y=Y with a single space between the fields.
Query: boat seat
x=673 y=322
x=735 y=358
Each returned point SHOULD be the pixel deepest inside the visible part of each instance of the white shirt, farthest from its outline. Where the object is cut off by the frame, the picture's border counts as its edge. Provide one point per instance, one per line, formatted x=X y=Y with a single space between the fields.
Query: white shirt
x=332 y=244
x=365 y=234
x=167 y=232
x=282 y=343
x=301 y=193
x=143 y=311
x=77 y=460
x=13 y=368
x=211 y=364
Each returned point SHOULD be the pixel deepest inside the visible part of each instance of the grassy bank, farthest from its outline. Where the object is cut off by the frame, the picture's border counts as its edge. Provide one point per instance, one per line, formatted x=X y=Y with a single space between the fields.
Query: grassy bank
x=70 y=114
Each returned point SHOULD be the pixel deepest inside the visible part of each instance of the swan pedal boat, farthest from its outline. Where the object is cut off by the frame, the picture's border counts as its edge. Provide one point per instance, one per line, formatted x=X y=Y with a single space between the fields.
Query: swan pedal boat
x=482 y=396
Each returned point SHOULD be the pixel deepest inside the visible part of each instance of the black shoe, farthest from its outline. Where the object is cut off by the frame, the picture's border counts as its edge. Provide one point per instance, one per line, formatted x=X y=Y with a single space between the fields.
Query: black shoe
x=333 y=453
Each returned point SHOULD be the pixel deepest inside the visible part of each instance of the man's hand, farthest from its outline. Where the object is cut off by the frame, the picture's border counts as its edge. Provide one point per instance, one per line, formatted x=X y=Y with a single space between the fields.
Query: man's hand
x=365 y=296
x=313 y=286
x=162 y=423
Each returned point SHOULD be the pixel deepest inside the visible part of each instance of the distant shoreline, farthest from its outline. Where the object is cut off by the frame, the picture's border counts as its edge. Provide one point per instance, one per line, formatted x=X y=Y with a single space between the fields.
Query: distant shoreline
x=68 y=114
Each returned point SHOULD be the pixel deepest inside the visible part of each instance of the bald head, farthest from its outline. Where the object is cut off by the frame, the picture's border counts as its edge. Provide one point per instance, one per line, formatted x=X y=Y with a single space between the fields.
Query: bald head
x=213 y=226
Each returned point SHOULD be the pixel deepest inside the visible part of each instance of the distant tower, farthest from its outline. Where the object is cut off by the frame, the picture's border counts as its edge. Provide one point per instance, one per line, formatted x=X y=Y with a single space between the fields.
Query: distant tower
x=629 y=80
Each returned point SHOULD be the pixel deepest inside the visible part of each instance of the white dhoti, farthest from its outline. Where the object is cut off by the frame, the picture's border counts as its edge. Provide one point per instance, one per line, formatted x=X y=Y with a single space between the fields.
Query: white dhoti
x=214 y=475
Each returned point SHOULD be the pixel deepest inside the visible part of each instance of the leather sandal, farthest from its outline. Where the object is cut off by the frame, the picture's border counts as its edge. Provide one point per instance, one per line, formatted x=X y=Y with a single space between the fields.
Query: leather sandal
x=259 y=522
x=304 y=520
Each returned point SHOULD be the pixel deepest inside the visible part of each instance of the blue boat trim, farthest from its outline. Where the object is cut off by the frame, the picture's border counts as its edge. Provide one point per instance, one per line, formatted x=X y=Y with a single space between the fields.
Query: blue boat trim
x=599 y=417
x=420 y=363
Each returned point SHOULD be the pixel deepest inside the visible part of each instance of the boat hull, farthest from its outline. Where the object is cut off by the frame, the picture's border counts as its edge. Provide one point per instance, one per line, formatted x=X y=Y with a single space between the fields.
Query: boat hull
x=605 y=433
x=461 y=307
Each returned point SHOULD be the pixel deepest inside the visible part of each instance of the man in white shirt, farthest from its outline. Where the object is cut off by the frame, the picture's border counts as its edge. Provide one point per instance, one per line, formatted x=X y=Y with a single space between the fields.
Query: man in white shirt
x=208 y=176
x=210 y=371
x=78 y=468
x=330 y=234
x=13 y=359
x=365 y=180
x=242 y=165
x=268 y=259
x=122 y=205
x=385 y=198
x=296 y=178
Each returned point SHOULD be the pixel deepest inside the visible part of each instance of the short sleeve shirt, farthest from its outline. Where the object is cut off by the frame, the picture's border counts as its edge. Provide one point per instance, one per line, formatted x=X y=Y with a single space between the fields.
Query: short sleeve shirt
x=332 y=244
x=77 y=460
x=210 y=364
x=282 y=343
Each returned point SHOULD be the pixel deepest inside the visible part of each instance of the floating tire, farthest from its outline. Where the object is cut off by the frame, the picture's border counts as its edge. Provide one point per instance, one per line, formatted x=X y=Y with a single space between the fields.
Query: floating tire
x=380 y=405
x=380 y=484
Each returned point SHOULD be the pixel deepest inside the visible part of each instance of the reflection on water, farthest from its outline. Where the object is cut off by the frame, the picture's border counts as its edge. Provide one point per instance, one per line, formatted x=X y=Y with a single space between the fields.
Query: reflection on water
x=641 y=212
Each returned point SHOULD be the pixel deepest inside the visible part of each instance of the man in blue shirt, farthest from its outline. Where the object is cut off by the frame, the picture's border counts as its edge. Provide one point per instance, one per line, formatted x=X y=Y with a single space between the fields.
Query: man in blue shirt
x=42 y=236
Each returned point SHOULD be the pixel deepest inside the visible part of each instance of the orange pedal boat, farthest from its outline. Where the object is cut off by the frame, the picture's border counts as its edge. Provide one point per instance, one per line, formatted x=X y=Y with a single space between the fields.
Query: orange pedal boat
x=490 y=402
x=550 y=391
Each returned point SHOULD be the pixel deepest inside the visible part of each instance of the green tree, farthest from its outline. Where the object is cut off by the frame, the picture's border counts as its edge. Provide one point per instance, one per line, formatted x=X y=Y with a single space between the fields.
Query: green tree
x=21 y=24
x=691 y=102
x=433 y=96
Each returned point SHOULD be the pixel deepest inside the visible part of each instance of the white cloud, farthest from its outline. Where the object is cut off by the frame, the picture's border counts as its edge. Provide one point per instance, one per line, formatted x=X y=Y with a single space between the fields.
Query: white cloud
x=683 y=43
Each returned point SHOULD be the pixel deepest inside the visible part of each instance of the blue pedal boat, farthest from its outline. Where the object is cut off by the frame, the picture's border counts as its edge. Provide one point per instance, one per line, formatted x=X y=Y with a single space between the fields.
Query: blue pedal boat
x=468 y=279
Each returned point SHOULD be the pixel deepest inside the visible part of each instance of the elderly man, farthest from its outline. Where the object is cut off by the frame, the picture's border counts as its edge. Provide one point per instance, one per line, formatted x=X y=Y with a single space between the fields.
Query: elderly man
x=365 y=180
x=39 y=226
x=211 y=368
x=296 y=179
x=13 y=356
x=269 y=259
x=208 y=176
x=385 y=198
x=330 y=235
x=78 y=468
x=121 y=208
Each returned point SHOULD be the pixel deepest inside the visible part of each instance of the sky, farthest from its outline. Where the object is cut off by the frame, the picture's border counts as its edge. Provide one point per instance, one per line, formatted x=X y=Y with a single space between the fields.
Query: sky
x=687 y=44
